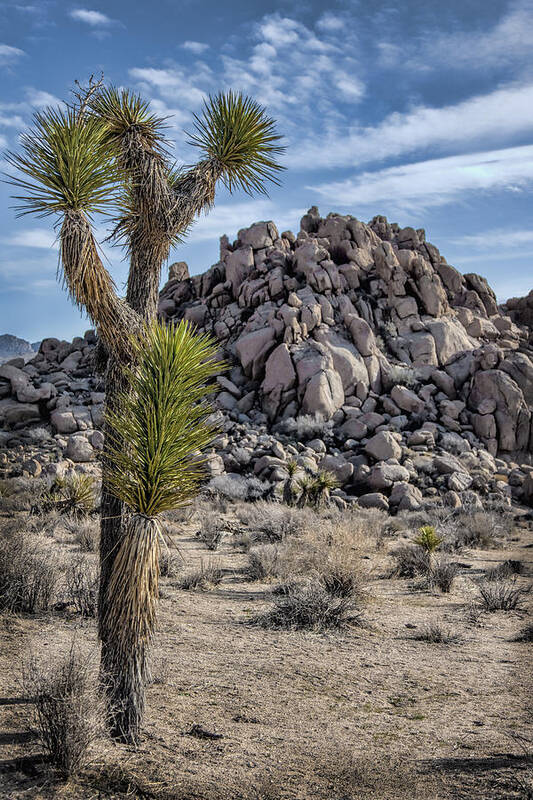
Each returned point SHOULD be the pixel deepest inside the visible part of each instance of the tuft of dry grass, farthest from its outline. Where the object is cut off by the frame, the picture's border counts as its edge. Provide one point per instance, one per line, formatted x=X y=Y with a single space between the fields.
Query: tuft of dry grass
x=499 y=595
x=442 y=574
x=437 y=633
x=203 y=578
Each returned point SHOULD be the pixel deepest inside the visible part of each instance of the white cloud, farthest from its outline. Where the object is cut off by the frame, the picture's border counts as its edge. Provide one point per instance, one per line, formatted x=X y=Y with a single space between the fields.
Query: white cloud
x=195 y=47
x=511 y=38
x=416 y=186
x=90 y=17
x=507 y=42
x=229 y=218
x=8 y=54
x=40 y=99
x=486 y=118
x=330 y=22
x=36 y=237
x=299 y=74
x=497 y=237
x=175 y=83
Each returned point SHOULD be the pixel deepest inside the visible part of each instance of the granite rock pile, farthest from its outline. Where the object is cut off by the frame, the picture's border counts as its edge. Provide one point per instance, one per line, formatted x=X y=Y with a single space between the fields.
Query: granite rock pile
x=351 y=347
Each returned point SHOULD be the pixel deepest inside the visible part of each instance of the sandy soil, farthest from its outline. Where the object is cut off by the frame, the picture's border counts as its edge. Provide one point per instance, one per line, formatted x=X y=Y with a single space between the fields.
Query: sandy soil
x=364 y=713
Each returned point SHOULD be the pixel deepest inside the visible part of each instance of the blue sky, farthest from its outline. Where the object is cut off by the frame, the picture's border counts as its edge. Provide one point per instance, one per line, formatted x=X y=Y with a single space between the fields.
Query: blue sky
x=422 y=111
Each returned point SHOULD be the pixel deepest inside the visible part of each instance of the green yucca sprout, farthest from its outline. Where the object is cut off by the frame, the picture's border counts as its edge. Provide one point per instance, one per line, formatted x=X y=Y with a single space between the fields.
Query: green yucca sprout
x=74 y=495
x=322 y=485
x=162 y=420
x=427 y=539
x=235 y=132
x=68 y=165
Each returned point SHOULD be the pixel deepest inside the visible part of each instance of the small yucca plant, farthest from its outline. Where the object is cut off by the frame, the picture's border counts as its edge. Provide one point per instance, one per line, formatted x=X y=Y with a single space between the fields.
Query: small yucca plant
x=428 y=539
x=292 y=469
x=157 y=433
x=323 y=483
x=74 y=495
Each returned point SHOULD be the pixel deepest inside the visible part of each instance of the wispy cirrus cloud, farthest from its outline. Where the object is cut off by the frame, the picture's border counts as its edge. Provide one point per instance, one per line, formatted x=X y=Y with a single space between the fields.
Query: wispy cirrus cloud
x=417 y=186
x=510 y=238
x=10 y=54
x=506 y=42
x=40 y=238
x=489 y=118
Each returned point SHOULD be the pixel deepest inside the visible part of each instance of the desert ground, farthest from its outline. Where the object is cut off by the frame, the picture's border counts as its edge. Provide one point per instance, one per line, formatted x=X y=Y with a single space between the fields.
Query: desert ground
x=245 y=704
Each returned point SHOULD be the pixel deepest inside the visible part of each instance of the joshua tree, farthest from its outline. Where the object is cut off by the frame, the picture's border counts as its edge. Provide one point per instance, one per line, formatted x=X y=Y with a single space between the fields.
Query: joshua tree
x=292 y=468
x=107 y=153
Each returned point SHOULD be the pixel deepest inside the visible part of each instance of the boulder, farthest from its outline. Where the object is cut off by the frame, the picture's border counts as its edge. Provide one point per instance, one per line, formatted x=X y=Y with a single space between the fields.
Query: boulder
x=382 y=446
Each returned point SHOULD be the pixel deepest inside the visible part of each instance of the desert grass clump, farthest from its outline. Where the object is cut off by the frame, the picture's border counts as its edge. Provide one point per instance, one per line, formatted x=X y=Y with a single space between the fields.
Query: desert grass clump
x=442 y=574
x=67 y=712
x=170 y=562
x=274 y=522
x=341 y=579
x=507 y=569
x=264 y=562
x=437 y=633
x=203 y=578
x=211 y=531
x=28 y=577
x=482 y=529
x=74 y=495
x=85 y=530
x=309 y=606
x=410 y=561
x=81 y=586
x=499 y=595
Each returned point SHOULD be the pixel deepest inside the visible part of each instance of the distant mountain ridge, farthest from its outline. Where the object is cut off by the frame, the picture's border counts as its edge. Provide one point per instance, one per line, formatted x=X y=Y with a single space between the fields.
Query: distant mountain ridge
x=12 y=346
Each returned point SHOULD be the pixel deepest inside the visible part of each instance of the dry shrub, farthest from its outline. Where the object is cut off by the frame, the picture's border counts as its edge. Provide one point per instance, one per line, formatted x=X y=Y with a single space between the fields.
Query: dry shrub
x=273 y=522
x=212 y=530
x=169 y=563
x=410 y=560
x=81 y=585
x=86 y=531
x=437 y=633
x=330 y=553
x=68 y=715
x=499 y=595
x=483 y=529
x=207 y=575
x=442 y=574
x=309 y=606
x=507 y=569
x=27 y=574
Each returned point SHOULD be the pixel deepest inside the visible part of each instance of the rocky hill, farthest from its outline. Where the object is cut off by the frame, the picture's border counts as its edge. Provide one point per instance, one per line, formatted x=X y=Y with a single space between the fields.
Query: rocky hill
x=352 y=347
x=12 y=346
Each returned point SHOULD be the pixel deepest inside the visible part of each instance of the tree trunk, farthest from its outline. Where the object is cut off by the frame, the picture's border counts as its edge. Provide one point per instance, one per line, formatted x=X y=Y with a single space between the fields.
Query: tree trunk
x=123 y=679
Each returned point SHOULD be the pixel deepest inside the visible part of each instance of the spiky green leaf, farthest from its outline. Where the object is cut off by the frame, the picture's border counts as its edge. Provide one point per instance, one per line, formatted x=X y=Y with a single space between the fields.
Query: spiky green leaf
x=161 y=425
x=65 y=165
x=235 y=132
